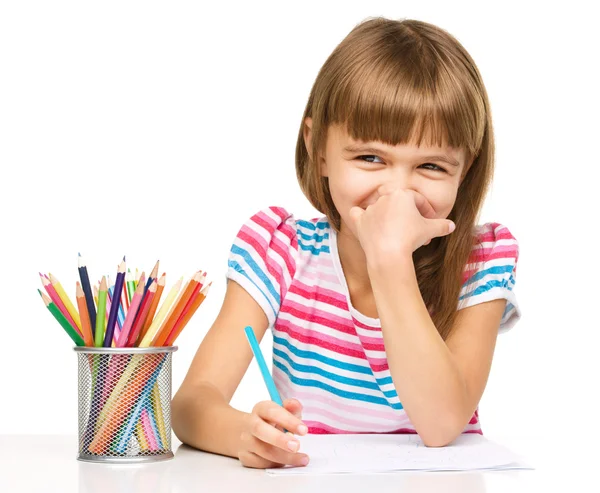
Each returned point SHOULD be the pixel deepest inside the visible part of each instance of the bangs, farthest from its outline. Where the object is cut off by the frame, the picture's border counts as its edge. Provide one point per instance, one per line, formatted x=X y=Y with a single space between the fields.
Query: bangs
x=424 y=104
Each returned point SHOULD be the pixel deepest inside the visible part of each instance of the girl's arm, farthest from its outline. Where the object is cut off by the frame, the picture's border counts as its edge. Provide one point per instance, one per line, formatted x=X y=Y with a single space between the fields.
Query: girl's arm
x=439 y=383
x=201 y=414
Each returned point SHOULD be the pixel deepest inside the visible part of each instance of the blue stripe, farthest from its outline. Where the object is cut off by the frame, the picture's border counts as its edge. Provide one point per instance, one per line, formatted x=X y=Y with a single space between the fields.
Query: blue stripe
x=342 y=393
x=238 y=268
x=365 y=370
x=312 y=249
x=236 y=250
x=314 y=236
x=312 y=226
x=497 y=269
x=486 y=287
x=319 y=371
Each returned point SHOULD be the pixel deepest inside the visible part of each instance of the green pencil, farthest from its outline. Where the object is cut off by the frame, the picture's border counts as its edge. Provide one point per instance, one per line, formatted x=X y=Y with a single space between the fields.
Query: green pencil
x=101 y=315
x=130 y=285
x=62 y=320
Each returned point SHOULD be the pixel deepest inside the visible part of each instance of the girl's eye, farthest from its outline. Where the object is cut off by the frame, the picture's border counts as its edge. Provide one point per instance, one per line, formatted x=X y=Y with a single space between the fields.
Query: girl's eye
x=435 y=166
x=367 y=155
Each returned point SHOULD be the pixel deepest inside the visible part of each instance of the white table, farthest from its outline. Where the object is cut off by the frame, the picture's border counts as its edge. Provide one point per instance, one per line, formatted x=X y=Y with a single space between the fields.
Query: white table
x=47 y=463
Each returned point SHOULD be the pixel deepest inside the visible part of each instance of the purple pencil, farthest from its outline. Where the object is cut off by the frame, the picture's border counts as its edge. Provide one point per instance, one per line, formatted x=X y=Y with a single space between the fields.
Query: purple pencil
x=114 y=308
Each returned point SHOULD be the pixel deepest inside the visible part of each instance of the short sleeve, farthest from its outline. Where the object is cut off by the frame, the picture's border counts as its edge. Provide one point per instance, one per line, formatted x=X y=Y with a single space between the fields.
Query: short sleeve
x=491 y=272
x=262 y=258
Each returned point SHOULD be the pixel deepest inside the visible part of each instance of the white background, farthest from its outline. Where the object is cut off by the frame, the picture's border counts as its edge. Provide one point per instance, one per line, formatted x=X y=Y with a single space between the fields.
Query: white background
x=153 y=130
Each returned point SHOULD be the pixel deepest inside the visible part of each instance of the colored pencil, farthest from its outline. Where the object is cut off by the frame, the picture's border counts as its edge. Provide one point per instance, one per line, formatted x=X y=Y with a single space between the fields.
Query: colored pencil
x=131 y=314
x=162 y=313
x=147 y=427
x=124 y=299
x=112 y=318
x=141 y=315
x=130 y=384
x=58 y=302
x=141 y=436
x=151 y=277
x=62 y=320
x=86 y=327
x=65 y=299
x=130 y=287
x=101 y=315
x=87 y=290
x=165 y=330
x=159 y=290
x=160 y=419
x=185 y=317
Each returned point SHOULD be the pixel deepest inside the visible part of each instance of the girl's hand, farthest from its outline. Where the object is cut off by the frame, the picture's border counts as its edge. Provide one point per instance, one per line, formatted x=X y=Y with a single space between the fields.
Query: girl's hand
x=398 y=223
x=263 y=445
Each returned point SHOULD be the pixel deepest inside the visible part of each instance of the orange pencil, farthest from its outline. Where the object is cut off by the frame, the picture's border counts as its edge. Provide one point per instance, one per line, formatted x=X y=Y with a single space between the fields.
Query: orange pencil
x=141 y=316
x=167 y=326
x=187 y=314
x=84 y=316
x=159 y=290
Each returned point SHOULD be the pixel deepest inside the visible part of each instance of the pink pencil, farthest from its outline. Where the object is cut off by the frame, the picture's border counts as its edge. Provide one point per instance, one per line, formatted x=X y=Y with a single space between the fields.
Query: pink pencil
x=131 y=313
x=148 y=430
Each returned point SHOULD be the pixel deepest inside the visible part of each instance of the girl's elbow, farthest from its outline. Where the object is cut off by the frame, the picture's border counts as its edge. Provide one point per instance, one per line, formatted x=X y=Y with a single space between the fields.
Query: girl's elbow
x=441 y=436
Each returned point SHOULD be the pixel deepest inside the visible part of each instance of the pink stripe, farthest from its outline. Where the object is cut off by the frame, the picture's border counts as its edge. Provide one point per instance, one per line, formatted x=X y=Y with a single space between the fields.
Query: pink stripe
x=281 y=247
x=287 y=229
x=288 y=389
x=359 y=324
x=316 y=262
x=373 y=342
x=310 y=314
x=326 y=342
x=256 y=241
x=283 y=250
x=320 y=294
x=316 y=275
x=317 y=428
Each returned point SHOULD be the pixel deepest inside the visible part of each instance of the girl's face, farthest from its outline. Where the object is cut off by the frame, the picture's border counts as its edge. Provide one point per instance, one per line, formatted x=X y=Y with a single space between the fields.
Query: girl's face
x=357 y=169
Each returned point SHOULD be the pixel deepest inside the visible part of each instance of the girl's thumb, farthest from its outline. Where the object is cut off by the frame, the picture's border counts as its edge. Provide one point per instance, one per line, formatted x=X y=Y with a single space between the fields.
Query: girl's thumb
x=447 y=227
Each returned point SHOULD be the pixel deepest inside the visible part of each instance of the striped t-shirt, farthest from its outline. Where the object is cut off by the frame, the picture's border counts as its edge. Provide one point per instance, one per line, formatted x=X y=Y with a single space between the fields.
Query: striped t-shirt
x=327 y=354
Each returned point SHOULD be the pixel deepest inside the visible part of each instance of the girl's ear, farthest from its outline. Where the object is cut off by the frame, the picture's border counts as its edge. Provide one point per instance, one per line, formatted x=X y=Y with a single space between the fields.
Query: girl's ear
x=308 y=143
x=308 y=135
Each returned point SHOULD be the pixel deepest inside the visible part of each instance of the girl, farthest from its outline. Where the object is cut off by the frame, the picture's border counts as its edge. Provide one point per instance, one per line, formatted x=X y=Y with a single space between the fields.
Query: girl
x=384 y=311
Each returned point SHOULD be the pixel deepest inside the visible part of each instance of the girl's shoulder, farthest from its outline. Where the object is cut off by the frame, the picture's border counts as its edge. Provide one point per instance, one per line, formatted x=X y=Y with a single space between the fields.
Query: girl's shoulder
x=491 y=271
x=274 y=221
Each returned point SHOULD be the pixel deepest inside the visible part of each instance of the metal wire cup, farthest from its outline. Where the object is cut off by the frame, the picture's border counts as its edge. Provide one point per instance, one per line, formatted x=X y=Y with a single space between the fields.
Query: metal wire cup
x=124 y=404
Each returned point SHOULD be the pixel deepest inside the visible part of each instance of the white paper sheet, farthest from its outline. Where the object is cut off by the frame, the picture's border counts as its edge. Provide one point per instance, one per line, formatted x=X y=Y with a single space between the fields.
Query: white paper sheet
x=385 y=453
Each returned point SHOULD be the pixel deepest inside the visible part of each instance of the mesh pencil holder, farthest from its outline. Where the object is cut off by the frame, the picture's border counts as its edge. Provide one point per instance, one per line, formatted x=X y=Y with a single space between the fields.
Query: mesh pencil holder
x=124 y=404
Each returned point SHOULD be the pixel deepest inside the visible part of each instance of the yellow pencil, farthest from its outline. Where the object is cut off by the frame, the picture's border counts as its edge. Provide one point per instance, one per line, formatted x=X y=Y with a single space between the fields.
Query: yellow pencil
x=139 y=432
x=160 y=316
x=158 y=413
x=65 y=299
x=163 y=325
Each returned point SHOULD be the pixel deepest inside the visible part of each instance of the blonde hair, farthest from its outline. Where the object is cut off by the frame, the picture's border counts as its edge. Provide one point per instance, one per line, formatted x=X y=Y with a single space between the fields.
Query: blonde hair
x=399 y=82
